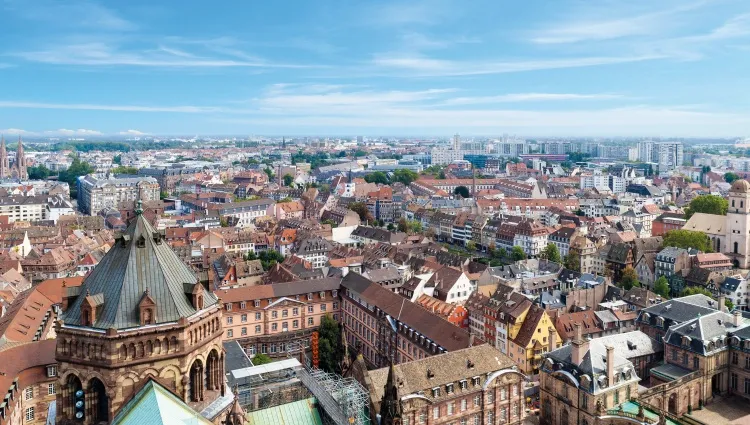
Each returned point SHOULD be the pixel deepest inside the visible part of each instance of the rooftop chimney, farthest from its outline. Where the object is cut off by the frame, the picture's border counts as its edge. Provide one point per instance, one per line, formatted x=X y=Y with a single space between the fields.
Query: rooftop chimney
x=610 y=365
x=737 y=318
x=722 y=303
x=580 y=347
x=552 y=339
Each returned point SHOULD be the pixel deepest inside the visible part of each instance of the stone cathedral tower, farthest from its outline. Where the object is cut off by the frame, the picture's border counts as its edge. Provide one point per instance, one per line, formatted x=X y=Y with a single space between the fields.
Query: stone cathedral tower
x=139 y=314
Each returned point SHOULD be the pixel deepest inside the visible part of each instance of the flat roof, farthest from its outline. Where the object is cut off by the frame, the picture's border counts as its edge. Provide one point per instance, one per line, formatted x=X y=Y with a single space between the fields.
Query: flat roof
x=266 y=368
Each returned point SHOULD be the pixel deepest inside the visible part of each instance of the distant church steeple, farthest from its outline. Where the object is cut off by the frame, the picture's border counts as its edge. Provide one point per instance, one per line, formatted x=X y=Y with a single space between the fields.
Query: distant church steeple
x=4 y=161
x=19 y=169
x=283 y=143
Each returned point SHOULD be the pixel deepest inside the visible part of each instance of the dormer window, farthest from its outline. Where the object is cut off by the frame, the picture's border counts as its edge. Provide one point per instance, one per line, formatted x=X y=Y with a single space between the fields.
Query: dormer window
x=322 y=295
x=257 y=303
x=141 y=242
x=87 y=318
x=243 y=305
x=228 y=306
x=449 y=388
x=436 y=392
x=309 y=297
x=335 y=293
x=464 y=384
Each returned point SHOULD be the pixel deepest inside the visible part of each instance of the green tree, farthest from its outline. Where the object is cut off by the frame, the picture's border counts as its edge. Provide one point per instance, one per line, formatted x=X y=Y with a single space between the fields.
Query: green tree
x=573 y=261
x=661 y=286
x=695 y=290
x=124 y=170
x=629 y=278
x=377 y=177
x=76 y=169
x=223 y=222
x=261 y=358
x=462 y=191
x=39 y=172
x=731 y=177
x=117 y=159
x=359 y=153
x=441 y=175
x=404 y=176
x=729 y=304
x=361 y=209
x=688 y=239
x=551 y=253
x=471 y=246
x=517 y=254
x=270 y=258
x=708 y=204
x=284 y=200
x=269 y=173
x=502 y=253
x=391 y=227
x=288 y=180
x=330 y=348
x=342 y=154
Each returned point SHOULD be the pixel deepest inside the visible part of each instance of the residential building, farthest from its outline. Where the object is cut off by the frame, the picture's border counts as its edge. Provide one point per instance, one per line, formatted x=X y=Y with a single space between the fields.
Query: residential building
x=96 y=193
x=272 y=319
x=585 y=380
x=314 y=250
x=365 y=235
x=535 y=336
x=670 y=261
x=531 y=236
x=386 y=328
x=476 y=385
x=562 y=238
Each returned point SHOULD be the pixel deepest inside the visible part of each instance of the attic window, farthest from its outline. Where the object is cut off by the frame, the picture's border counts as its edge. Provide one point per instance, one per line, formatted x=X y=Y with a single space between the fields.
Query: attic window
x=309 y=297
x=257 y=303
x=449 y=388
x=141 y=242
x=436 y=392
x=475 y=381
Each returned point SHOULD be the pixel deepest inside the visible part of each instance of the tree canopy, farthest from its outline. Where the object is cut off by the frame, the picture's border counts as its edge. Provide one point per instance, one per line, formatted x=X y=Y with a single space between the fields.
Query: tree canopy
x=708 y=204
x=330 y=348
x=573 y=261
x=404 y=176
x=76 y=169
x=517 y=254
x=39 y=172
x=377 y=177
x=661 y=286
x=551 y=253
x=361 y=209
x=124 y=170
x=463 y=191
x=409 y=226
x=629 y=278
x=731 y=177
x=261 y=358
x=687 y=239
x=288 y=180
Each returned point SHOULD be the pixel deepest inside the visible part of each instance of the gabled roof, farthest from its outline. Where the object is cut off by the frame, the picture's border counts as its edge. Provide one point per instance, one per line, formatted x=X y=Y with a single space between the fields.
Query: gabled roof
x=140 y=260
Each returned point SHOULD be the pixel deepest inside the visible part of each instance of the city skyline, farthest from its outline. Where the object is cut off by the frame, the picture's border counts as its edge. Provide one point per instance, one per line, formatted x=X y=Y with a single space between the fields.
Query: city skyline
x=88 y=69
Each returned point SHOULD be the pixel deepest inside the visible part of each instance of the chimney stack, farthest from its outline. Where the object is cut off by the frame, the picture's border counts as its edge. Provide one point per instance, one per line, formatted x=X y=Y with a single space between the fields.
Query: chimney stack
x=552 y=339
x=580 y=347
x=722 y=303
x=737 y=318
x=610 y=365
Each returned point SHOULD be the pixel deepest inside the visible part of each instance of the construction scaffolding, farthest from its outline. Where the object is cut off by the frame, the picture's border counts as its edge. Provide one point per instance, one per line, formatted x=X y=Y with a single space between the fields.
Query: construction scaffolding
x=341 y=401
x=352 y=399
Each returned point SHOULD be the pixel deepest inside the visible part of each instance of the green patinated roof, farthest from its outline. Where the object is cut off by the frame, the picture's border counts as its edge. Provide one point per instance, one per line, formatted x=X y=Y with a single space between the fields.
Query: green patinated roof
x=124 y=274
x=301 y=412
x=155 y=405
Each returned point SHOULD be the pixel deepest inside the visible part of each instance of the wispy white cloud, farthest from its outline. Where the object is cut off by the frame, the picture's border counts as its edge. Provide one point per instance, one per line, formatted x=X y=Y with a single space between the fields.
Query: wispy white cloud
x=530 y=97
x=608 y=23
x=632 y=121
x=421 y=66
x=78 y=14
x=98 y=53
x=15 y=131
x=132 y=133
x=96 y=107
x=78 y=132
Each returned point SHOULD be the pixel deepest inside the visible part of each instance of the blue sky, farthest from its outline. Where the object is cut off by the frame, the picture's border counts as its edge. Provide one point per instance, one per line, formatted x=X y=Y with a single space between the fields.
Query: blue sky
x=348 y=67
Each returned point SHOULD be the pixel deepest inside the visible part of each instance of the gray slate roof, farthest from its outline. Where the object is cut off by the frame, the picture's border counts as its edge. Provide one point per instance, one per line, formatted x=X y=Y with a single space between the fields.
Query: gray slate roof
x=127 y=270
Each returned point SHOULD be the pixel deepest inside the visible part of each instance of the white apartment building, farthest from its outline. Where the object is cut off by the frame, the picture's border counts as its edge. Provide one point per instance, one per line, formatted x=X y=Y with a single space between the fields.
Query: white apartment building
x=96 y=193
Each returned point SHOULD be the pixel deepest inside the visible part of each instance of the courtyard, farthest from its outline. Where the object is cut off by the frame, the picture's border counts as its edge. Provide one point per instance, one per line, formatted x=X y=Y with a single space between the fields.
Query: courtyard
x=728 y=411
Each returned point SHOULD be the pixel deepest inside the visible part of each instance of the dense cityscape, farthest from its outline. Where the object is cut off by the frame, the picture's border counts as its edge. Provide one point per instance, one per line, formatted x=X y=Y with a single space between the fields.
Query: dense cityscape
x=424 y=212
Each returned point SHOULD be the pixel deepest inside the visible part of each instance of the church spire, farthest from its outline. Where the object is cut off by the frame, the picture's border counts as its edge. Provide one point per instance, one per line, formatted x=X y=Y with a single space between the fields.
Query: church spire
x=4 y=161
x=20 y=164
x=390 y=404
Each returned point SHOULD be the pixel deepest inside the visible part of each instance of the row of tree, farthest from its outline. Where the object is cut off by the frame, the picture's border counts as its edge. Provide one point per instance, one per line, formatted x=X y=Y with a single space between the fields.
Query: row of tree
x=402 y=175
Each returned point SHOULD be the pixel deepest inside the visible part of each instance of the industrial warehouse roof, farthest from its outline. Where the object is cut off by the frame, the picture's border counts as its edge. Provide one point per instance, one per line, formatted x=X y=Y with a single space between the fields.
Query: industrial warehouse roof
x=139 y=261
